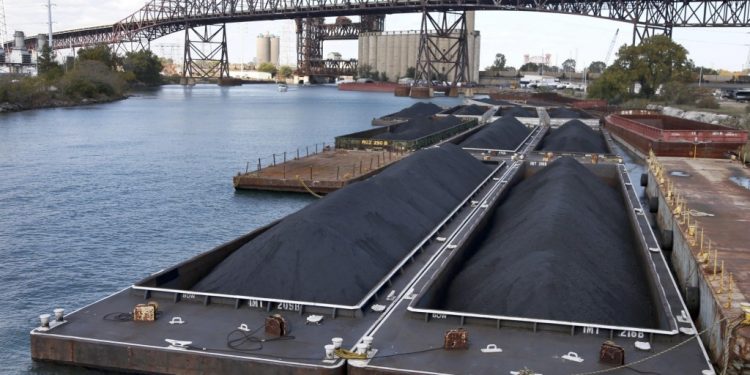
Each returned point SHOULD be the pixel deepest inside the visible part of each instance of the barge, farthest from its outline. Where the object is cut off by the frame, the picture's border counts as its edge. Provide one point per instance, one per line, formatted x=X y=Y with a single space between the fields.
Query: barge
x=642 y=131
x=414 y=134
x=390 y=328
x=701 y=209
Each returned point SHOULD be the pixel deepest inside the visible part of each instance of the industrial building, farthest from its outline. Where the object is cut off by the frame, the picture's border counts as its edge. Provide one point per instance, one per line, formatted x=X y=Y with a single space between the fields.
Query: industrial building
x=393 y=52
x=267 y=47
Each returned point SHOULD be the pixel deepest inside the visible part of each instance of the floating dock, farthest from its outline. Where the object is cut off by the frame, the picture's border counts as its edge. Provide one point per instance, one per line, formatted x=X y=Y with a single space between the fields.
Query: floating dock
x=321 y=173
x=702 y=210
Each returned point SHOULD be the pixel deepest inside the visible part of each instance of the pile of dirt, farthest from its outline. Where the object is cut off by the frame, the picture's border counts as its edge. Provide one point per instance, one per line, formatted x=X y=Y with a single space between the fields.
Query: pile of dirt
x=567 y=113
x=419 y=109
x=517 y=112
x=574 y=136
x=505 y=133
x=559 y=247
x=471 y=110
x=338 y=248
x=419 y=127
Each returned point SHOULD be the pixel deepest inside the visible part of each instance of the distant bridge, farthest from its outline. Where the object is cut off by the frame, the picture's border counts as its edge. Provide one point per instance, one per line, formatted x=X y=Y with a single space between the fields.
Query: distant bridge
x=162 y=17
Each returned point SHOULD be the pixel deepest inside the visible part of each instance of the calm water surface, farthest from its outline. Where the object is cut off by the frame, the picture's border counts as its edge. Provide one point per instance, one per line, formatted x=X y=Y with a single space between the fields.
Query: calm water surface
x=95 y=198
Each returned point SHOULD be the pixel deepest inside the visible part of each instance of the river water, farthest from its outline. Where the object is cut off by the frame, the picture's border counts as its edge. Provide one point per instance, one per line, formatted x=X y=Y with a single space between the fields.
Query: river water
x=95 y=198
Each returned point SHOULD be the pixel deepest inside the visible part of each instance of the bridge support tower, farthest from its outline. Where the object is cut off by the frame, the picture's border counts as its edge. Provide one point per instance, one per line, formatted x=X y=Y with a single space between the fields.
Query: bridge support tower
x=443 y=53
x=312 y=32
x=206 y=54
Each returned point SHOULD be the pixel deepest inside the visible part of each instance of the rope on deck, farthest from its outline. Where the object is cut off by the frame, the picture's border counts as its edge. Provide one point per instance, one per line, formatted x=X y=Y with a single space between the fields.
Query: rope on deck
x=307 y=188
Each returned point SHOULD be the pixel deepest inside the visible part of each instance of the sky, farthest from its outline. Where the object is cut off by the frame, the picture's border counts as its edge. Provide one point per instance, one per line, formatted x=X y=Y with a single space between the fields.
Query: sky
x=514 y=34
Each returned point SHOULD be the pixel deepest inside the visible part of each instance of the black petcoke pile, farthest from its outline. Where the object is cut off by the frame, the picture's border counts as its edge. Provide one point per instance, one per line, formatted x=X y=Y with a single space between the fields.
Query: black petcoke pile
x=567 y=113
x=419 y=127
x=574 y=136
x=471 y=110
x=337 y=249
x=505 y=133
x=420 y=109
x=559 y=247
x=517 y=112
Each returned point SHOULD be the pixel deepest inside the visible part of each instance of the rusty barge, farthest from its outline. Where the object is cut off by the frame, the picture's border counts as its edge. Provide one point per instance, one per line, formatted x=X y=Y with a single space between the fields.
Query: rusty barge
x=642 y=131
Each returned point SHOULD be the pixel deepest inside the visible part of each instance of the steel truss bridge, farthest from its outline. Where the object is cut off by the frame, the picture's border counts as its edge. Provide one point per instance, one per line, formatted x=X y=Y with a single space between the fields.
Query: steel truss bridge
x=162 y=17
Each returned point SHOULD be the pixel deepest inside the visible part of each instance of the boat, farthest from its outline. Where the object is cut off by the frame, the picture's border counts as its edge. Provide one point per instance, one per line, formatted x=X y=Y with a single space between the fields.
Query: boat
x=282 y=87
x=642 y=131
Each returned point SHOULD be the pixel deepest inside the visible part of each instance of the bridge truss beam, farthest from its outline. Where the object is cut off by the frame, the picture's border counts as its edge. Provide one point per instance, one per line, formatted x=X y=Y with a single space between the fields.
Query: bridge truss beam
x=312 y=32
x=206 y=54
x=162 y=17
x=443 y=49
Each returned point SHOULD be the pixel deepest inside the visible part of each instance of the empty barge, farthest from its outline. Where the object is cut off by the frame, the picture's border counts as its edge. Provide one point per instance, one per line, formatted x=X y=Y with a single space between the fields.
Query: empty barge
x=642 y=131
x=387 y=324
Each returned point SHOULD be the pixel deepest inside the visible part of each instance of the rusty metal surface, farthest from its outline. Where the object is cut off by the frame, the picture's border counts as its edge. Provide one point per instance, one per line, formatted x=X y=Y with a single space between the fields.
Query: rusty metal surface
x=456 y=339
x=643 y=143
x=144 y=312
x=323 y=172
x=706 y=186
x=612 y=354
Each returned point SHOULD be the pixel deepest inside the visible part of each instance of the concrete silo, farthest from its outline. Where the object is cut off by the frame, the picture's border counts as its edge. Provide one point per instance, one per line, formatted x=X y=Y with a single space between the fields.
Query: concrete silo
x=262 y=49
x=274 y=49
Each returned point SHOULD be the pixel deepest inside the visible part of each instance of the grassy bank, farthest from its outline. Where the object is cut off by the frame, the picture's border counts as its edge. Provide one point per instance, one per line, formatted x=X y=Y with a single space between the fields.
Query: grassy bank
x=95 y=76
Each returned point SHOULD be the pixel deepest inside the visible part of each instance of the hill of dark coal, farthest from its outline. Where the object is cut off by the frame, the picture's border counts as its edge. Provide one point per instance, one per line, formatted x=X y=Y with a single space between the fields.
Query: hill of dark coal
x=574 y=136
x=505 y=133
x=559 y=247
x=419 y=127
x=517 y=112
x=419 y=109
x=338 y=248
x=567 y=113
x=472 y=110
x=496 y=102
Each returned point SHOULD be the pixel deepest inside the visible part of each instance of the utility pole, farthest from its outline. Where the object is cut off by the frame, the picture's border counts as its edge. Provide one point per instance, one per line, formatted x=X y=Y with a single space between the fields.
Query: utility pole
x=3 y=26
x=49 y=22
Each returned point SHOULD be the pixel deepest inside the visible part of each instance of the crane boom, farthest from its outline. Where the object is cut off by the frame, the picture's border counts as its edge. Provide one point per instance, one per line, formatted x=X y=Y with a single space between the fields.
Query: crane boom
x=611 y=47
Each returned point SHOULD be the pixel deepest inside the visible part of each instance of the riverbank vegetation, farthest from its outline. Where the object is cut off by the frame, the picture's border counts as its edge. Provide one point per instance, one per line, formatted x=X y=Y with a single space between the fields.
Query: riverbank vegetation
x=657 y=70
x=96 y=75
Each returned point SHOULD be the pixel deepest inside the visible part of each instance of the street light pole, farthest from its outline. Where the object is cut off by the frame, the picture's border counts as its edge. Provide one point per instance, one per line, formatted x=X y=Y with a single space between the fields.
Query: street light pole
x=49 y=22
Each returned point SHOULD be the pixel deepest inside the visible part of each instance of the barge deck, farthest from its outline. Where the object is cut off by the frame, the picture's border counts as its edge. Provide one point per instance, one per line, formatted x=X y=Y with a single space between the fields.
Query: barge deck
x=321 y=173
x=702 y=210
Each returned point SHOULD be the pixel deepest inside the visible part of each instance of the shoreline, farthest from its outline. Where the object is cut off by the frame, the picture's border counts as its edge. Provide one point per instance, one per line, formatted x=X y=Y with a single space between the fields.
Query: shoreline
x=13 y=108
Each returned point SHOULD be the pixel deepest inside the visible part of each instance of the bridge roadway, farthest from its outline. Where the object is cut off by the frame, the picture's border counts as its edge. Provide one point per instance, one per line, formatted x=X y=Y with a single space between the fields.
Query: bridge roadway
x=162 y=17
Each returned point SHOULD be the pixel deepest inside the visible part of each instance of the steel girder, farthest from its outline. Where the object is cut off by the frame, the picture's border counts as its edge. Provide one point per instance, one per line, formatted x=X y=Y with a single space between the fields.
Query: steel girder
x=443 y=49
x=162 y=17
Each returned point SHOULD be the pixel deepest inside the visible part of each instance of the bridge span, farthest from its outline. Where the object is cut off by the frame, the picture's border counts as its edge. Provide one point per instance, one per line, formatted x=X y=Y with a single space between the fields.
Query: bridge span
x=162 y=17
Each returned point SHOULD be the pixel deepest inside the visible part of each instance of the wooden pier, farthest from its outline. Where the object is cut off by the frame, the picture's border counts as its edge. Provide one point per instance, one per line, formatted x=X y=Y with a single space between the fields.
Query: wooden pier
x=320 y=173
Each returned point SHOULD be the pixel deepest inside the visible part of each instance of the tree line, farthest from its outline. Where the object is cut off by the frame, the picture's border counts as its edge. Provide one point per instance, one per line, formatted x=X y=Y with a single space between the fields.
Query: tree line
x=95 y=74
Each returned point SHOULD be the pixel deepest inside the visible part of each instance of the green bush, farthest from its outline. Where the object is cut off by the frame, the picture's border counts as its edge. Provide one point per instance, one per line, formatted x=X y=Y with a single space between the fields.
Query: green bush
x=707 y=102
x=678 y=93
x=635 y=104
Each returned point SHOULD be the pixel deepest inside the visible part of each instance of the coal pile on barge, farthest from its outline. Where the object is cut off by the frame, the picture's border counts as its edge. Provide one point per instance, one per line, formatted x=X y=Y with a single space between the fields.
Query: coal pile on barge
x=559 y=247
x=471 y=110
x=420 y=109
x=517 y=112
x=567 y=113
x=574 y=136
x=419 y=127
x=505 y=133
x=338 y=248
